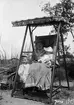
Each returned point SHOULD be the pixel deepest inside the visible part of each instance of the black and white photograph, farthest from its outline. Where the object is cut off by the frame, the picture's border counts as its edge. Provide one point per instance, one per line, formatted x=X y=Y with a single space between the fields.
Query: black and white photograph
x=36 y=52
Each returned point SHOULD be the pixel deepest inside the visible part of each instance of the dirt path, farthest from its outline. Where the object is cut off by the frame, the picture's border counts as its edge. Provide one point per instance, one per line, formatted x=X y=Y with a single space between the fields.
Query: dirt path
x=8 y=100
x=66 y=98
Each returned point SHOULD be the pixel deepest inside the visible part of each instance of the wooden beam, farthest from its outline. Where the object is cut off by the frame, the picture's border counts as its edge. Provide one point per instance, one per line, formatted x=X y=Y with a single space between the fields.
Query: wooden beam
x=59 y=61
x=53 y=73
x=14 y=85
x=64 y=60
x=34 y=28
x=31 y=36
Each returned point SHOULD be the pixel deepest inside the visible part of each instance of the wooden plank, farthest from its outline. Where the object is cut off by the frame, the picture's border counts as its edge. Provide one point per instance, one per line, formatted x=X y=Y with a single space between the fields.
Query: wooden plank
x=40 y=21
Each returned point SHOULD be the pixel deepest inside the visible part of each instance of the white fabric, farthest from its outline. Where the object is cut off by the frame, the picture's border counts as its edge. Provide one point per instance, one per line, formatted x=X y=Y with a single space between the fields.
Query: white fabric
x=39 y=76
x=49 y=49
x=46 y=59
x=36 y=74
x=23 y=71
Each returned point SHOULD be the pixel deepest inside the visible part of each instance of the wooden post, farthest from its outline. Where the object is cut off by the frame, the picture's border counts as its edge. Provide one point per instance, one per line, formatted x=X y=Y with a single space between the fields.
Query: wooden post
x=53 y=73
x=59 y=62
x=14 y=85
x=32 y=40
x=64 y=60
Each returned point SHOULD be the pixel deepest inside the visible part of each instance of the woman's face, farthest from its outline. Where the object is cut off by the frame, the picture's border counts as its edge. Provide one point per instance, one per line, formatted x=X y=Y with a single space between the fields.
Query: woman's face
x=39 y=46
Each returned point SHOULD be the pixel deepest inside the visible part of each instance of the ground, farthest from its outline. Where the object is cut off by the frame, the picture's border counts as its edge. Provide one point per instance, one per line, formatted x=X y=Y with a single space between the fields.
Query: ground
x=66 y=97
x=8 y=100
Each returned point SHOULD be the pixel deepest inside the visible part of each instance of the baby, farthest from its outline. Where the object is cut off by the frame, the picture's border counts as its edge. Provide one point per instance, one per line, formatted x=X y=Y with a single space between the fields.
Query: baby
x=47 y=57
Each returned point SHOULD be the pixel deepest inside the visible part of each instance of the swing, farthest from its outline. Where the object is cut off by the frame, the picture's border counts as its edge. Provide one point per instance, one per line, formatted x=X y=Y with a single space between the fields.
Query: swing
x=46 y=41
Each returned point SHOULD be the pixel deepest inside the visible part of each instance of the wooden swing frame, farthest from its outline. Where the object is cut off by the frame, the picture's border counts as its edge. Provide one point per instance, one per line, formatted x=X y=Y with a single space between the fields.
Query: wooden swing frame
x=39 y=22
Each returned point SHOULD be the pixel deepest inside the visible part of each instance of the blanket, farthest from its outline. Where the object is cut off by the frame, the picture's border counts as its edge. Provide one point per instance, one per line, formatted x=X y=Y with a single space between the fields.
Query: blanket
x=35 y=74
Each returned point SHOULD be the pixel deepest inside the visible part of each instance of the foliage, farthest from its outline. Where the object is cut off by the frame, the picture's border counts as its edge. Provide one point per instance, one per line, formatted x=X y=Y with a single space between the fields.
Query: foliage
x=65 y=9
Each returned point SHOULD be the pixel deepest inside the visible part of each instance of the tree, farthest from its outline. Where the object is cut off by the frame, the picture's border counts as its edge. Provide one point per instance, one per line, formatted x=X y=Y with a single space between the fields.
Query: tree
x=63 y=9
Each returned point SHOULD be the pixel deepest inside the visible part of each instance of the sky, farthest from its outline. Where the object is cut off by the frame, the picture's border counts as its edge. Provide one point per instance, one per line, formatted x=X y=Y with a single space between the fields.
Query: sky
x=11 y=10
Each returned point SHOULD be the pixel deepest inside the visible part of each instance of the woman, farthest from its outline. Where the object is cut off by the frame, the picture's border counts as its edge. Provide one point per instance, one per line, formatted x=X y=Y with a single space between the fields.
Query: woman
x=44 y=55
